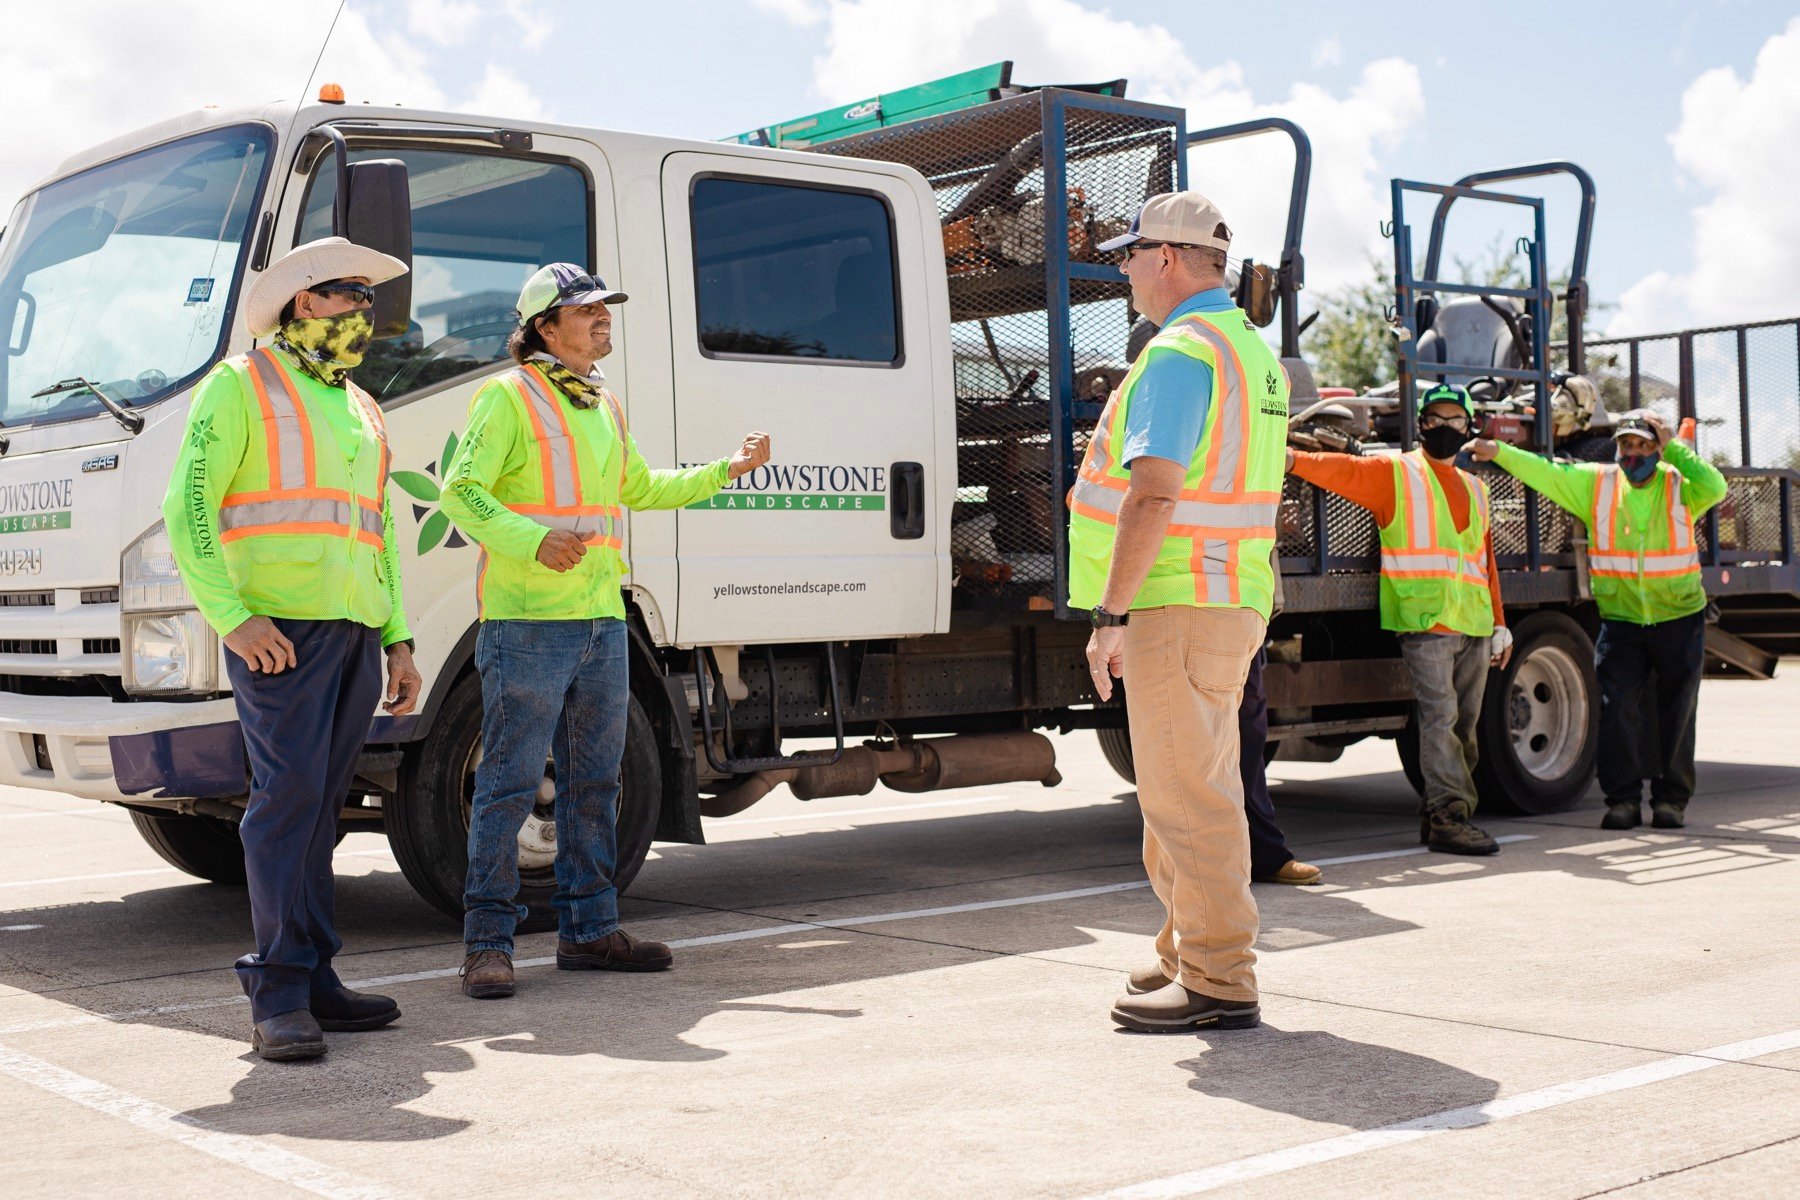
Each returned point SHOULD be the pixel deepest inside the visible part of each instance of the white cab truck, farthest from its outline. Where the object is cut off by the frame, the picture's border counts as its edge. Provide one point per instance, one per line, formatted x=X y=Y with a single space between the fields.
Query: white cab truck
x=927 y=350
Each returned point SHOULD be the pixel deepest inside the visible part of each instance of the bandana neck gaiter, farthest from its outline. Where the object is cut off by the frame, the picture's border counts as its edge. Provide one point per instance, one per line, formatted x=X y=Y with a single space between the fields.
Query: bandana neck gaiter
x=582 y=390
x=327 y=348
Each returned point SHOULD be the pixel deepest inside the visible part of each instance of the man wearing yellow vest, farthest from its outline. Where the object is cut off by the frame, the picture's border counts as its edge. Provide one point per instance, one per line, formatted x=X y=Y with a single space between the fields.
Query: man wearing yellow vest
x=1645 y=572
x=539 y=481
x=1171 y=529
x=1440 y=596
x=278 y=518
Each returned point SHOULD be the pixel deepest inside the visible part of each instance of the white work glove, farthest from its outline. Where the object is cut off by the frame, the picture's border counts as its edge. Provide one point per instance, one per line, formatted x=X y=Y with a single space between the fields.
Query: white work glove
x=1500 y=646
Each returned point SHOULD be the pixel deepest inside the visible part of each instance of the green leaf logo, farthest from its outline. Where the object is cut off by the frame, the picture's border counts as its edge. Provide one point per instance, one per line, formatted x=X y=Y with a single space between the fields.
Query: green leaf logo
x=434 y=526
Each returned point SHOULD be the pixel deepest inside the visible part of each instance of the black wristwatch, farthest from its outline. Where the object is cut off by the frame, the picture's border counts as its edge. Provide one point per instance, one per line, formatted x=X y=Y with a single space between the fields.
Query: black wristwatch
x=1101 y=619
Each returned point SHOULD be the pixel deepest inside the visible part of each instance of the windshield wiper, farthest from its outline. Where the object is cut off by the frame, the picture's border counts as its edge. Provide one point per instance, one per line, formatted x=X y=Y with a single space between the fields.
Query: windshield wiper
x=134 y=422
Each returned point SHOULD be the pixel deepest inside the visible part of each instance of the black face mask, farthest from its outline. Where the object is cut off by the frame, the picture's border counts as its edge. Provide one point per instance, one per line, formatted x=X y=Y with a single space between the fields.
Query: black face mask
x=1442 y=441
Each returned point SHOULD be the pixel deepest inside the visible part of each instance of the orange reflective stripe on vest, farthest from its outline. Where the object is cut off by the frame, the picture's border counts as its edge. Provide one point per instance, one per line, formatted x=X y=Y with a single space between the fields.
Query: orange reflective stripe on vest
x=1607 y=558
x=1425 y=556
x=294 y=503
x=594 y=524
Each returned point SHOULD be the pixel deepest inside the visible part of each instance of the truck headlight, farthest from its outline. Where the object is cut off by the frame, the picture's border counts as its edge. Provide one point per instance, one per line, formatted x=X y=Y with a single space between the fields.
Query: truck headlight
x=168 y=647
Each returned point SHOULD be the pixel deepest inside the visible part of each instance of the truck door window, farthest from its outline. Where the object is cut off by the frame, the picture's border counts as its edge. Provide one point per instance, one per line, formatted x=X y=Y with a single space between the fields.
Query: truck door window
x=790 y=271
x=482 y=223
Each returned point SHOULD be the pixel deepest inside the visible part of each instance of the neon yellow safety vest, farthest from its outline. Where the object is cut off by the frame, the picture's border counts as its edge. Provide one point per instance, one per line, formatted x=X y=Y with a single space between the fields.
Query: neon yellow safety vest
x=1217 y=552
x=1431 y=574
x=298 y=521
x=1665 y=563
x=549 y=489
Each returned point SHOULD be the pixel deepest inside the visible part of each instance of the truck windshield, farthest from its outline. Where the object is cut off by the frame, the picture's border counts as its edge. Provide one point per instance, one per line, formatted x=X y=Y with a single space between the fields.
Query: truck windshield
x=126 y=274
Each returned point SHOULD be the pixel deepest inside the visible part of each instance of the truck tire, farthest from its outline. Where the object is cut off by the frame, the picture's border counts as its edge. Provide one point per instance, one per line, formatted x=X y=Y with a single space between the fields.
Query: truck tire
x=1540 y=720
x=1116 y=745
x=428 y=820
x=204 y=846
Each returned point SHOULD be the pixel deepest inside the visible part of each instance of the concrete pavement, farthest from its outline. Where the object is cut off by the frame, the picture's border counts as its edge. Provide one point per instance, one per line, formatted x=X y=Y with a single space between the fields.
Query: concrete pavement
x=894 y=996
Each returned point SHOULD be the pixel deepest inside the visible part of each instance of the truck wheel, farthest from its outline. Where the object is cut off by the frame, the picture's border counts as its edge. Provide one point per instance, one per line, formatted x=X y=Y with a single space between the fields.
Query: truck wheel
x=1116 y=745
x=428 y=822
x=1540 y=720
x=203 y=846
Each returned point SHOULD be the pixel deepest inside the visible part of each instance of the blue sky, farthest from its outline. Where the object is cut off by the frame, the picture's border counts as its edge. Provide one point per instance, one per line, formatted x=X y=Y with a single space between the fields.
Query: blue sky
x=1690 y=231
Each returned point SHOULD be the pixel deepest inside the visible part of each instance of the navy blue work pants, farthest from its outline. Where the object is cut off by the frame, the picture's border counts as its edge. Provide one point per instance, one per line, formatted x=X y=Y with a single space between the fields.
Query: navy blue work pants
x=1268 y=848
x=303 y=729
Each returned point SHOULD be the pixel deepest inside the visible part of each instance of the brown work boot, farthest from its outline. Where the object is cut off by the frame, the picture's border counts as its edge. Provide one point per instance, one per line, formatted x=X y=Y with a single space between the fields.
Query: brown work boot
x=1667 y=815
x=1448 y=831
x=1295 y=872
x=1178 y=1009
x=488 y=975
x=1147 y=979
x=617 y=951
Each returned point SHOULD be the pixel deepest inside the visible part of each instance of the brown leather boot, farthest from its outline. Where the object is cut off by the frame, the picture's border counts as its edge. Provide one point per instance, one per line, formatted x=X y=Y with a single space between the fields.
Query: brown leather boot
x=1147 y=979
x=487 y=975
x=617 y=951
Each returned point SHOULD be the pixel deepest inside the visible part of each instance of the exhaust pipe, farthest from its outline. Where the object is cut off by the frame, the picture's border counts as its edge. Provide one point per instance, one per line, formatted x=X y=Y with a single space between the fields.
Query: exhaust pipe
x=936 y=764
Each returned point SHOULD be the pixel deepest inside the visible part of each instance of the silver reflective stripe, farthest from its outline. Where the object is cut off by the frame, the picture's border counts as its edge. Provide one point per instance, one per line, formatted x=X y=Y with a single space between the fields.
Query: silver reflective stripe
x=1679 y=525
x=561 y=449
x=370 y=520
x=288 y=464
x=1418 y=496
x=1630 y=564
x=586 y=525
x=1228 y=402
x=1603 y=507
x=1214 y=569
x=1202 y=514
x=290 y=512
x=1445 y=564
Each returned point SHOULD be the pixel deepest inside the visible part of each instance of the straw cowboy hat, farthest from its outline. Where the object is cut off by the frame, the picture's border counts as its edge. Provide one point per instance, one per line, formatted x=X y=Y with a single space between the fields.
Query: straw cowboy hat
x=304 y=266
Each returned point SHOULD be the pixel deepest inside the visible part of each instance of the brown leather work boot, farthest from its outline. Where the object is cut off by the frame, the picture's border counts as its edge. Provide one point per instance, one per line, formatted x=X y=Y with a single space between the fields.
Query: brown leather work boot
x=617 y=951
x=487 y=975
x=1177 y=1009
x=1147 y=979
x=1295 y=872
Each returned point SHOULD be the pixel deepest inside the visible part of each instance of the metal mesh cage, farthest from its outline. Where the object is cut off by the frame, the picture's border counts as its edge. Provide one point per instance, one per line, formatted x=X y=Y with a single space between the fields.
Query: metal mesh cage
x=1039 y=321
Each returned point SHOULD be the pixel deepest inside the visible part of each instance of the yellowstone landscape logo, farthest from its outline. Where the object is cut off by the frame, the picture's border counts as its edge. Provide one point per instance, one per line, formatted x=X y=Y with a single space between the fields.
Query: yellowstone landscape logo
x=424 y=488
x=806 y=487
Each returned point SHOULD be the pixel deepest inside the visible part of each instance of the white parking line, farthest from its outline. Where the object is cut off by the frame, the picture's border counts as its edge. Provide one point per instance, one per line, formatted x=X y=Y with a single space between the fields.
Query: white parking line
x=95 y=811
x=19 y=883
x=1308 y=1154
x=253 y=1154
x=741 y=935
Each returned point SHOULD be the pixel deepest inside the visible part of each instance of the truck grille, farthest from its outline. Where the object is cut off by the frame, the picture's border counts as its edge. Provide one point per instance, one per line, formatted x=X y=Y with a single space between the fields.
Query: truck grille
x=27 y=599
x=99 y=645
x=29 y=645
x=105 y=595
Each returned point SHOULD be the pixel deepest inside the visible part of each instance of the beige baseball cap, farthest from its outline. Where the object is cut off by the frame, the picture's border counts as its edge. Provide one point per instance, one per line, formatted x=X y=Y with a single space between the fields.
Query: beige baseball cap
x=1175 y=218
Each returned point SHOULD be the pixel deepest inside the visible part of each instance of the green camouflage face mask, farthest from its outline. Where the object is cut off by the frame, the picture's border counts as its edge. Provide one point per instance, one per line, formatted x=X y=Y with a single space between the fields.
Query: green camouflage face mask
x=327 y=348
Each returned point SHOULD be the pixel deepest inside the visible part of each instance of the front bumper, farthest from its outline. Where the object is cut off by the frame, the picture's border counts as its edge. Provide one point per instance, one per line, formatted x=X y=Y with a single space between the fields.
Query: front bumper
x=94 y=747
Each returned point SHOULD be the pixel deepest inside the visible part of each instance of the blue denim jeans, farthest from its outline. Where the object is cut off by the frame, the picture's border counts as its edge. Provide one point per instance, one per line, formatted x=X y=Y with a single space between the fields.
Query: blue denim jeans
x=548 y=688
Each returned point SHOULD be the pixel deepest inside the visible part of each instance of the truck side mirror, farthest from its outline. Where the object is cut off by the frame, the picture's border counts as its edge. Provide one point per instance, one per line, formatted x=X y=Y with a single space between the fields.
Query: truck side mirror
x=380 y=217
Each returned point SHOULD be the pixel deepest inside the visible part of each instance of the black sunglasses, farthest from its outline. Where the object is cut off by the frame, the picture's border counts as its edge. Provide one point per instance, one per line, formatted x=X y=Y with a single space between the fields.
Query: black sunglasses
x=576 y=285
x=360 y=292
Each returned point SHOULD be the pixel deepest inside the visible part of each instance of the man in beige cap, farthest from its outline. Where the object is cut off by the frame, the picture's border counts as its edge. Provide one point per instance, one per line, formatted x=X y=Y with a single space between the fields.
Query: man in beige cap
x=279 y=521
x=1171 y=538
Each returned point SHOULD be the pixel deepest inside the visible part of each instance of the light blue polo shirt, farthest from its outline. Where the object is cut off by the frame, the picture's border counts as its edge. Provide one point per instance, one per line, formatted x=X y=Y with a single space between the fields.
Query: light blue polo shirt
x=1173 y=392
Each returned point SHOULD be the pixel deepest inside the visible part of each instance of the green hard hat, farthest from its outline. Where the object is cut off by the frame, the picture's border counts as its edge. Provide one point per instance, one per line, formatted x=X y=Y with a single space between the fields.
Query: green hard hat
x=1444 y=393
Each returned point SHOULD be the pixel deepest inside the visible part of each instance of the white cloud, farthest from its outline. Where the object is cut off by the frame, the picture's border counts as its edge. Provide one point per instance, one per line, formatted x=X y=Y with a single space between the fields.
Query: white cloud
x=446 y=22
x=1329 y=52
x=1739 y=140
x=799 y=12
x=139 y=64
x=875 y=45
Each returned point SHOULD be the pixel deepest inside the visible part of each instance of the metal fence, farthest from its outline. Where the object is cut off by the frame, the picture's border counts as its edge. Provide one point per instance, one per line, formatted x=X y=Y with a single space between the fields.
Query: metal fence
x=1740 y=383
x=1025 y=189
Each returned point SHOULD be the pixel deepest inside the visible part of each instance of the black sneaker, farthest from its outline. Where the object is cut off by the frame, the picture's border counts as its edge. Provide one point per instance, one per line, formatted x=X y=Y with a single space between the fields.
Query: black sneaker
x=1626 y=814
x=1667 y=816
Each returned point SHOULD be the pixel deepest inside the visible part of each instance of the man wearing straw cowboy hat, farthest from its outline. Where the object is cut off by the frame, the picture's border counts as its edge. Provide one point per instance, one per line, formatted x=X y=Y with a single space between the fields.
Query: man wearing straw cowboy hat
x=278 y=518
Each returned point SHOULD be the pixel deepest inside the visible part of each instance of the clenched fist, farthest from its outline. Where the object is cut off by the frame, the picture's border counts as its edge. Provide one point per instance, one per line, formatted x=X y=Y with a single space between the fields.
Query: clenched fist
x=751 y=455
x=560 y=550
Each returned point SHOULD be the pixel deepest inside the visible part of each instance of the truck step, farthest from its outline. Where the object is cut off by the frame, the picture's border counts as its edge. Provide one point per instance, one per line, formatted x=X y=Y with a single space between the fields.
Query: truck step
x=1737 y=655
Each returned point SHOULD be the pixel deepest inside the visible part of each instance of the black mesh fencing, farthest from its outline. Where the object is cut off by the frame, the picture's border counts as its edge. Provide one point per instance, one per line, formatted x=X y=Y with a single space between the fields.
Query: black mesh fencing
x=1026 y=188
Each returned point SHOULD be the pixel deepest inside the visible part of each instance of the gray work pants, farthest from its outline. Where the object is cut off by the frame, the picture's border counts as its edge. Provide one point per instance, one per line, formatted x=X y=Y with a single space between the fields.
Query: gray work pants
x=1449 y=673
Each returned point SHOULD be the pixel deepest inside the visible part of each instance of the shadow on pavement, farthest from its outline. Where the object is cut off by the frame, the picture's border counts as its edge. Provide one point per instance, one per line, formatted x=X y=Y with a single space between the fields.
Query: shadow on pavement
x=1330 y=1080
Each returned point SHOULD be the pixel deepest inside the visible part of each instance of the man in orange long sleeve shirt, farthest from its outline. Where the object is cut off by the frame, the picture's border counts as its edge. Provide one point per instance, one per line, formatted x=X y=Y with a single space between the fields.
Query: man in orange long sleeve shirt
x=1440 y=594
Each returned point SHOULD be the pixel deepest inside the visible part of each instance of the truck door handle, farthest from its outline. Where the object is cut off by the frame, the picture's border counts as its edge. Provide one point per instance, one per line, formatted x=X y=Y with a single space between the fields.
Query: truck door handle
x=906 y=500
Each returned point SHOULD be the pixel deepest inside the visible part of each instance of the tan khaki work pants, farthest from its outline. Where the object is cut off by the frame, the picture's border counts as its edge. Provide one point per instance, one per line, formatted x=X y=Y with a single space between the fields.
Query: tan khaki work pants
x=1184 y=678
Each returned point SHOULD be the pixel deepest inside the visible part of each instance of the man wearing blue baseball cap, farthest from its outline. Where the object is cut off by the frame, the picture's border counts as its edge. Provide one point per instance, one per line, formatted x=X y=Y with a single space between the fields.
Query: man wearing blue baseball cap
x=540 y=481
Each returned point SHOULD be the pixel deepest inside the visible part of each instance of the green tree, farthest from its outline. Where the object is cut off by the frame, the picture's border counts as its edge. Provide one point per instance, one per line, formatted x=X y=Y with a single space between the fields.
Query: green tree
x=1350 y=343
